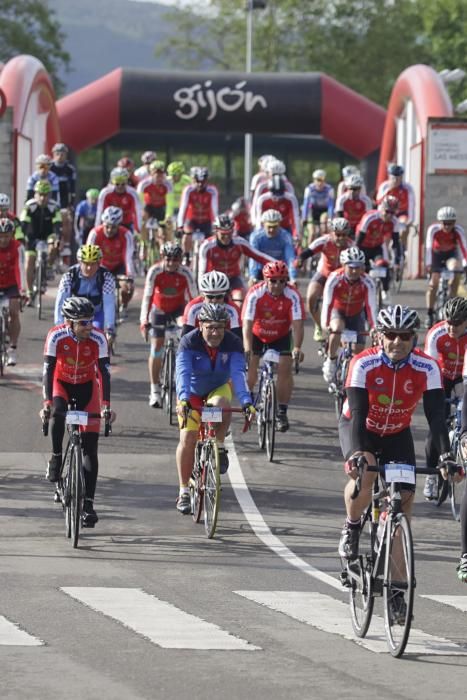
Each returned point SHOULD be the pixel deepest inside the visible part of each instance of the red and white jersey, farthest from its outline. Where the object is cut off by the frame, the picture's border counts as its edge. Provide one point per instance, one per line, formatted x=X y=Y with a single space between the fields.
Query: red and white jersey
x=154 y=194
x=196 y=205
x=441 y=241
x=372 y=231
x=272 y=316
x=77 y=361
x=353 y=208
x=393 y=391
x=192 y=309
x=117 y=250
x=167 y=291
x=287 y=205
x=12 y=266
x=257 y=179
x=242 y=223
x=449 y=352
x=261 y=189
x=404 y=194
x=350 y=298
x=330 y=252
x=141 y=173
x=213 y=256
x=342 y=189
x=128 y=201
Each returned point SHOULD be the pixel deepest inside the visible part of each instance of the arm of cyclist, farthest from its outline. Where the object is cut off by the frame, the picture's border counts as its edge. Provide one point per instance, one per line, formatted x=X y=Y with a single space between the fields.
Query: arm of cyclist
x=108 y=304
x=247 y=328
x=434 y=408
x=298 y=331
x=238 y=374
x=358 y=407
x=63 y=292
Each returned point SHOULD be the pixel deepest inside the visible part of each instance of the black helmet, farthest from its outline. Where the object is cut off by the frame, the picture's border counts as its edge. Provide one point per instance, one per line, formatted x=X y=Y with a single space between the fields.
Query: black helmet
x=395 y=170
x=171 y=250
x=213 y=312
x=276 y=185
x=455 y=309
x=224 y=222
x=76 y=308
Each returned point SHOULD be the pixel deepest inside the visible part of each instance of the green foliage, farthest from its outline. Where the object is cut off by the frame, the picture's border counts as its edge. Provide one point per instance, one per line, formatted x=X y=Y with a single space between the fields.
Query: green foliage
x=30 y=27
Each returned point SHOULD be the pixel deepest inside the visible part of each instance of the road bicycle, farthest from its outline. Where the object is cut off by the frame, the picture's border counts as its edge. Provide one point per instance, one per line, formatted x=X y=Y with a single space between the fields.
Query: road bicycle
x=167 y=380
x=205 y=481
x=385 y=565
x=443 y=292
x=378 y=273
x=70 y=489
x=452 y=488
x=198 y=238
x=266 y=403
x=344 y=356
x=4 y=338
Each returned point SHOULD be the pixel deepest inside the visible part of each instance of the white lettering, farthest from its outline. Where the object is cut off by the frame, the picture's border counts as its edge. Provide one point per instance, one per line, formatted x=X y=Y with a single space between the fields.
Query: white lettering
x=198 y=97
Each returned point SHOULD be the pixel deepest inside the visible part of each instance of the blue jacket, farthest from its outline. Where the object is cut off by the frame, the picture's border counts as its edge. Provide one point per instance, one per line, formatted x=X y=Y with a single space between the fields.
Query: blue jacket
x=195 y=374
x=279 y=247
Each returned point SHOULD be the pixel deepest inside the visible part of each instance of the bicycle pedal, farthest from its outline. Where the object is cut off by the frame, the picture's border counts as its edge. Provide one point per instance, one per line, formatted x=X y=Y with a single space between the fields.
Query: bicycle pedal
x=344 y=579
x=57 y=497
x=85 y=523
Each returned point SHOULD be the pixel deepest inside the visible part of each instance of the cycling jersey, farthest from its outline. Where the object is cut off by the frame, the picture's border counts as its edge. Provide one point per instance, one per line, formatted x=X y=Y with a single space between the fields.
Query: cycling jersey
x=449 y=352
x=342 y=189
x=257 y=179
x=261 y=189
x=329 y=252
x=314 y=198
x=286 y=205
x=440 y=241
x=85 y=217
x=117 y=250
x=38 y=222
x=166 y=291
x=198 y=206
x=128 y=201
x=226 y=258
x=173 y=198
x=353 y=208
x=242 y=223
x=404 y=194
x=154 y=194
x=272 y=316
x=99 y=289
x=373 y=232
x=12 y=266
x=277 y=247
x=66 y=174
x=51 y=178
x=192 y=309
x=350 y=298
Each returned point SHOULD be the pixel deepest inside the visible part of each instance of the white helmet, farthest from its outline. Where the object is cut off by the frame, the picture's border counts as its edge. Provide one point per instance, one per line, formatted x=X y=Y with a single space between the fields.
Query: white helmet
x=43 y=159
x=348 y=170
x=319 y=174
x=352 y=256
x=4 y=200
x=271 y=216
x=262 y=160
x=112 y=216
x=446 y=214
x=397 y=318
x=354 y=181
x=214 y=282
x=276 y=167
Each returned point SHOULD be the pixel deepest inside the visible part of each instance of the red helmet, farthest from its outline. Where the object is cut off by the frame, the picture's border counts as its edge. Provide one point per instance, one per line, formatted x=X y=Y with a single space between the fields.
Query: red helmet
x=126 y=162
x=275 y=270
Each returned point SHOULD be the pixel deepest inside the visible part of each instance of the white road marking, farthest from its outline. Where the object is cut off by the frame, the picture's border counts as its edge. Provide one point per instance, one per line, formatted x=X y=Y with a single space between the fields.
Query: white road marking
x=332 y=616
x=455 y=601
x=11 y=635
x=160 y=622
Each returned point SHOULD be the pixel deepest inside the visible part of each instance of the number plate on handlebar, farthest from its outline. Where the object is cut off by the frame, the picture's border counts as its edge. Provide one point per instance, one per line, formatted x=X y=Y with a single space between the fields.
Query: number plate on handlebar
x=349 y=336
x=76 y=418
x=447 y=274
x=211 y=414
x=402 y=473
x=271 y=356
x=378 y=272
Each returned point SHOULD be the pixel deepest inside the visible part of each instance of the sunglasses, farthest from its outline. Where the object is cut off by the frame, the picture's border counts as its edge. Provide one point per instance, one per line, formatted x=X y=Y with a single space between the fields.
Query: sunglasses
x=85 y=323
x=214 y=296
x=455 y=323
x=448 y=223
x=392 y=335
x=211 y=329
x=278 y=281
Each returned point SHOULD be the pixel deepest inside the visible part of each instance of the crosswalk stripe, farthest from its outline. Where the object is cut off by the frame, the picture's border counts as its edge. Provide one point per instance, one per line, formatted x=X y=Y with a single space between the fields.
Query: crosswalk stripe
x=11 y=635
x=160 y=622
x=455 y=601
x=332 y=616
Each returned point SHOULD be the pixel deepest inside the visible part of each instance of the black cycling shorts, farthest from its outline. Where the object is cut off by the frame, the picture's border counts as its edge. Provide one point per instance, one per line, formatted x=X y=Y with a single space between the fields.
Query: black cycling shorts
x=281 y=345
x=160 y=319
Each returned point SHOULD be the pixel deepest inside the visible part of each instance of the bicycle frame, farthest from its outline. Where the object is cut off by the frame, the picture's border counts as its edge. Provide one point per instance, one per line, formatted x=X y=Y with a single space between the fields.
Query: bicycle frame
x=4 y=321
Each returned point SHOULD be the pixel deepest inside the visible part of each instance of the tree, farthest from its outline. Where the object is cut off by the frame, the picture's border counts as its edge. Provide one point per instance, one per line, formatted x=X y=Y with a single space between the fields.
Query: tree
x=29 y=26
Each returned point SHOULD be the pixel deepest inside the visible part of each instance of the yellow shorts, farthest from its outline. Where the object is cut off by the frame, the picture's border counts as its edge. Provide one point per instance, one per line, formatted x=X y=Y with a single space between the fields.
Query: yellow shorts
x=194 y=420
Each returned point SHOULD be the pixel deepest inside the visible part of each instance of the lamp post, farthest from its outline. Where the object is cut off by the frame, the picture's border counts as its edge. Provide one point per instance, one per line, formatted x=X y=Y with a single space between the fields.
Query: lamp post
x=250 y=6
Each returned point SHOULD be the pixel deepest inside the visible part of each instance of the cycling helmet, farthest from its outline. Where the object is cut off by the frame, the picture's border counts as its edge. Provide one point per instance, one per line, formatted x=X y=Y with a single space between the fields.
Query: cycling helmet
x=446 y=214
x=349 y=170
x=6 y=226
x=126 y=162
x=271 y=216
x=176 y=168
x=352 y=256
x=112 y=216
x=397 y=318
x=119 y=176
x=171 y=250
x=4 y=201
x=89 y=253
x=157 y=166
x=59 y=148
x=147 y=157
x=76 y=308
x=223 y=222
x=213 y=312
x=354 y=182
x=193 y=171
x=319 y=174
x=201 y=174
x=389 y=205
x=43 y=187
x=455 y=309
x=340 y=225
x=395 y=170
x=263 y=160
x=276 y=186
x=214 y=282
x=92 y=193
x=276 y=167
x=44 y=159
x=275 y=270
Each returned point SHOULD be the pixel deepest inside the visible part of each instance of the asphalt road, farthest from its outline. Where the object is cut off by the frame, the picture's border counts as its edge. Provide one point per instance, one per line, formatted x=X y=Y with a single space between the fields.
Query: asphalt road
x=147 y=607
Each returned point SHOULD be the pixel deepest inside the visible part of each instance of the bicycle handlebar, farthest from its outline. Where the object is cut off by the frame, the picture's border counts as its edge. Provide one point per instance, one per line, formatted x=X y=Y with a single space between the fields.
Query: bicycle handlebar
x=380 y=469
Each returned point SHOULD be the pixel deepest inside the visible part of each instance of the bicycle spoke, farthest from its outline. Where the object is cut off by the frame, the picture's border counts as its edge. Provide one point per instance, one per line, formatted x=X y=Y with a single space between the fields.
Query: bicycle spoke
x=398 y=585
x=361 y=583
x=212 y=487
x=270 y=418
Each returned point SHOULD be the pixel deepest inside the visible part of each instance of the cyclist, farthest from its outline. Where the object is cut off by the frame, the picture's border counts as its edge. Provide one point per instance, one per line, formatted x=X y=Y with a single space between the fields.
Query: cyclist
x=277 y=197
x=6 y=213
x=214 y=287
x=210 y=360
x=116 y=244
x=146 y=159
x=179 y=180
x=328 y=247
x=318 y=199
x=348 y=296
x=66 y=174
x=445 y=240
x=43 y=163
x=273 y=167
x=405 y=195
x=223 y=252
x=347 y=171
x=120 y=194
x=352 y=204
x=85 y=215
x=383 y=386
x=273 y=241
x=129 y=165
x=76 y=366
x=446 y=342
x=40 y=219
x=89 y=279
x=12 y=282
x=153 y=191
x=199 y=206
x=168 y=288
x=240 y=213
x=262 y=175
x=273 y=317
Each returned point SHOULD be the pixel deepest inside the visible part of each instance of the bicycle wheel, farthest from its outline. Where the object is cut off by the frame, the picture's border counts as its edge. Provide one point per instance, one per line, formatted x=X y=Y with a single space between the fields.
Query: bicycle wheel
x=76 y=492
x=399 y=584
x=456 y=494
x=169 y=387
x=260 y=419
x=212 y=487
x=196 y=486
x=270 y=409
x=361 y=587
x=39 y=283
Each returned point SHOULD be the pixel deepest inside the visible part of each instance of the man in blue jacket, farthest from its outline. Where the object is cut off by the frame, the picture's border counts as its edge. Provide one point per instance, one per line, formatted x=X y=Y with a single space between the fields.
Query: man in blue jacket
x=210 y=360
x=274 y=241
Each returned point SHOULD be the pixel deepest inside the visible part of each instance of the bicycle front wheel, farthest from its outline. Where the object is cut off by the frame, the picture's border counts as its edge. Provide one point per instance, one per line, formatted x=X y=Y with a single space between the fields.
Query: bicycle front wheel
x=196 y=486
x=361 y=586
x=212 y=487
x=40 y=282
x=169 y=385
x=399 y=584
x=76 y=492
x=456 y=492
x=270 y=409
